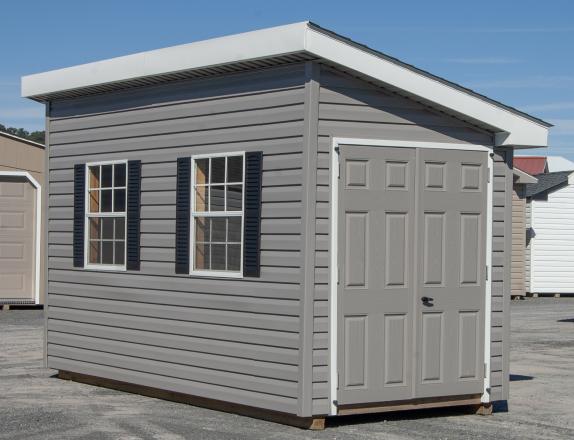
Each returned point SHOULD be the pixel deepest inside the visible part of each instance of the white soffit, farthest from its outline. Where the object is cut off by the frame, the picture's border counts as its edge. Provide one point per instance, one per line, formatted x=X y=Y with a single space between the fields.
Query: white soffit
x=512 y=127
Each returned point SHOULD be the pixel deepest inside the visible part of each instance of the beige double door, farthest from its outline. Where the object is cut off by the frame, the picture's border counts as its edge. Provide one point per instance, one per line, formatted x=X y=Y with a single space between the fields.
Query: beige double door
x=411 y=290
x=17 y=240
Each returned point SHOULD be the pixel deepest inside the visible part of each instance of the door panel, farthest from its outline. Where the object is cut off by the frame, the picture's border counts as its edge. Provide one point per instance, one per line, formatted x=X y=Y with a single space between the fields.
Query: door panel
x=17 y=238
x=412 y=224
x=376 y=220
x=451 y=219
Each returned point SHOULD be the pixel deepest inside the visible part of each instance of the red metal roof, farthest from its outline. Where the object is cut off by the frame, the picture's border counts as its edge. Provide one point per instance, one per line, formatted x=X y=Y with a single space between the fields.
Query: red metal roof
x=532 y=165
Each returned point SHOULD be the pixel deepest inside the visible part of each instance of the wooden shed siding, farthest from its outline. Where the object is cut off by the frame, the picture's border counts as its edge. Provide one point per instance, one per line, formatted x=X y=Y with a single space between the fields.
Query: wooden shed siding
x=518 y=239
x=349 y=107
x=229 y=339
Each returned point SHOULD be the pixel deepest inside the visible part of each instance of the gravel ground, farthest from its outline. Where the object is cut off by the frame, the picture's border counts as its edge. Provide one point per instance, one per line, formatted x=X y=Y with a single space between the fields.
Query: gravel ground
x=36 y=405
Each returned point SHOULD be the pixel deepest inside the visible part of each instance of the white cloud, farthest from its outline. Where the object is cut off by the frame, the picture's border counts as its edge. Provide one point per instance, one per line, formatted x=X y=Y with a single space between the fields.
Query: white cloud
x=485 y=60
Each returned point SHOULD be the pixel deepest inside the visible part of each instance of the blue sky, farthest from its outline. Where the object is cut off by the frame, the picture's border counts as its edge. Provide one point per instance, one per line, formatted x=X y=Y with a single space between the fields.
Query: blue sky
x=518 y=52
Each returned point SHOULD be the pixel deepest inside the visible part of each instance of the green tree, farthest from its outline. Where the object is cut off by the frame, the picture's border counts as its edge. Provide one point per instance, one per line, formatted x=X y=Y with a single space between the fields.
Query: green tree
x=35 y=136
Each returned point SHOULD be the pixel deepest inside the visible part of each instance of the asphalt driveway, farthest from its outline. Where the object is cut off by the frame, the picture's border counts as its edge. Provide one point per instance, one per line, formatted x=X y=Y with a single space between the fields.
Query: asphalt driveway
x=36 y=405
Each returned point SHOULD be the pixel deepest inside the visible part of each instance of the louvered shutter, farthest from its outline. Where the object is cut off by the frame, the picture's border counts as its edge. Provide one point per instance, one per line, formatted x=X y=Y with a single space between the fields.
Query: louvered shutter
x=133 y=215
x=79 y=213
x=182 y=215
x=252 y=219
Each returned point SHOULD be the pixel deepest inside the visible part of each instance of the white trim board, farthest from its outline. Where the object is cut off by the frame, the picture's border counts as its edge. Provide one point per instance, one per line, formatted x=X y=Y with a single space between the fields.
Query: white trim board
x=37 y=229
x=87 y=214
x=333 y=275
x=21 y=139
x=511 y=127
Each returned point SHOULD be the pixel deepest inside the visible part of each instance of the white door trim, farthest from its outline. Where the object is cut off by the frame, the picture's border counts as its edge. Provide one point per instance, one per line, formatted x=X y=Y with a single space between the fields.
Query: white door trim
x=38 y=228
x=336 y=142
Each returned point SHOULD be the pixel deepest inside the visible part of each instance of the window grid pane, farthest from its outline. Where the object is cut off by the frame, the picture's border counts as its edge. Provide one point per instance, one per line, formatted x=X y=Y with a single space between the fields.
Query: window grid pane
x=217 y=203
x=106 y=214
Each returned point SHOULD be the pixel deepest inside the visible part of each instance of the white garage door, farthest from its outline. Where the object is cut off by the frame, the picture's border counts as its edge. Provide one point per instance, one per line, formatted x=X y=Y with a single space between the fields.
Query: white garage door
x=17 y=240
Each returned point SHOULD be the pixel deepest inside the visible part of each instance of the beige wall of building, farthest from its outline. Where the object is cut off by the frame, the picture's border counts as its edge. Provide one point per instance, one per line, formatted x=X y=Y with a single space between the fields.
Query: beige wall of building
x=18 y=154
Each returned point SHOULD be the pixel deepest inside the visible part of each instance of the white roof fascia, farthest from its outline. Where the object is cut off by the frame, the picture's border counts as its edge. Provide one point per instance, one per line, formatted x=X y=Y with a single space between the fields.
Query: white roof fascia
x=511 y=128
x=515 y=129
x=523 y=177
x=246 y=46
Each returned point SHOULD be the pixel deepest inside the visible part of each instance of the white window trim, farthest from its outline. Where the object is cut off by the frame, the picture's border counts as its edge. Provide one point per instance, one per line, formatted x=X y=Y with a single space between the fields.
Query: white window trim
x=104 y=267
x=193 y=214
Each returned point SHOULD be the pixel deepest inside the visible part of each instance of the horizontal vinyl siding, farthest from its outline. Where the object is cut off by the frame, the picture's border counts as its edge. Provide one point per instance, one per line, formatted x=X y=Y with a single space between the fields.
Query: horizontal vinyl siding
x=230 y=339
x=527 y=249
x=552 y=248
x=518 y=240
x=501 y=285
x=349 y=107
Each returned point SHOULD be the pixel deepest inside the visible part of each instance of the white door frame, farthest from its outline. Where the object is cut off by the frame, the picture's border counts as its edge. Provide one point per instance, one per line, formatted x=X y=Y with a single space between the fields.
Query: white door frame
x=336 y=142
x=37 y=229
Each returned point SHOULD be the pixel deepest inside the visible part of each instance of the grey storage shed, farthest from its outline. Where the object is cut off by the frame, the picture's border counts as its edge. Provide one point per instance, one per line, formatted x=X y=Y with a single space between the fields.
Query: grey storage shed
x=282 y=223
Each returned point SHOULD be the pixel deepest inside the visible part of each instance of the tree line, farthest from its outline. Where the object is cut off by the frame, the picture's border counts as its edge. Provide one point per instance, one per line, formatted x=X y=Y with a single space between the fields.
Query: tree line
x=36 y=136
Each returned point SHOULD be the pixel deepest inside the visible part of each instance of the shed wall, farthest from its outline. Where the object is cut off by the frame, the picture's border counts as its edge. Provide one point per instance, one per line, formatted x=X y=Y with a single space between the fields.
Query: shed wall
x=552 y=248
x=501 y=274
x=527 y=250
x=21 y=156
x=228 y=339
x=518 y=239
x=349 y=107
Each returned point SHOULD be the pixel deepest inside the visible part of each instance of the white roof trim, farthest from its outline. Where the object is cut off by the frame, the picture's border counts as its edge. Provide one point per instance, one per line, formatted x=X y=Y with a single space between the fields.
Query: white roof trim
x=512 y=129
x=523 y=177
x=21 y=139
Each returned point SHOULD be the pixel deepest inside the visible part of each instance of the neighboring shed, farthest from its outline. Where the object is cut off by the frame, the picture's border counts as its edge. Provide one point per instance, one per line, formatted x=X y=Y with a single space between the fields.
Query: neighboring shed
x=552 y=233
x=519 y=231
x=21 y=216
x=283 y=223
x=532 y=165
x=559 y=163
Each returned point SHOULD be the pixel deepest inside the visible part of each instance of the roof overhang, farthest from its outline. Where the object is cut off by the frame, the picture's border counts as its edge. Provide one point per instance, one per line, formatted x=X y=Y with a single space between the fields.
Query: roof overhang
x=511 y=127
x=523 y=177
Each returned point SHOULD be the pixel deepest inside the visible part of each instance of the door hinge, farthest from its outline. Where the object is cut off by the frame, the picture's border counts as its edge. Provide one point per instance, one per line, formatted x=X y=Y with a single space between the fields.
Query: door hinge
x=337 y=380
x=485 y=370
x=488 y=175
x=339 y=170
x=486 y=275
x=338 y=275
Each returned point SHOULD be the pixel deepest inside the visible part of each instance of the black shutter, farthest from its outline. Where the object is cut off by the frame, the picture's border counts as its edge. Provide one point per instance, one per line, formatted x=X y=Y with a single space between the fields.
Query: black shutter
x=79 y=213
x=182 y=213
x=134 y=173
x=252 y=220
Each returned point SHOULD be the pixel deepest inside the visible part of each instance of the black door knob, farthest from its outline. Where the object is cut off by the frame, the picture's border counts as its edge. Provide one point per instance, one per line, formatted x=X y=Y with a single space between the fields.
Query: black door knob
x=427 y=300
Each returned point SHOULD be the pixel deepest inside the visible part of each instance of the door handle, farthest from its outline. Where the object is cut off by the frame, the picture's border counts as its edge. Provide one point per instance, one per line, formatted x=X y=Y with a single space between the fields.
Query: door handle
x=427 y=301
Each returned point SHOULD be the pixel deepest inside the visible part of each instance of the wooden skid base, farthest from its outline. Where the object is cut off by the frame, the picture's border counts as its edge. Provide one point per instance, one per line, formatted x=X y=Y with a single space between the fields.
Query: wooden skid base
x=406 y=405
x=484 y=409
x=314 y=423
x=6 y=307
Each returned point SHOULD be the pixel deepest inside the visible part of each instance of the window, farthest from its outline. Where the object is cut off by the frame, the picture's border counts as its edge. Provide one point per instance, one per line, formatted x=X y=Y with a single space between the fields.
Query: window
x=106 y=215
x=217 y=215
